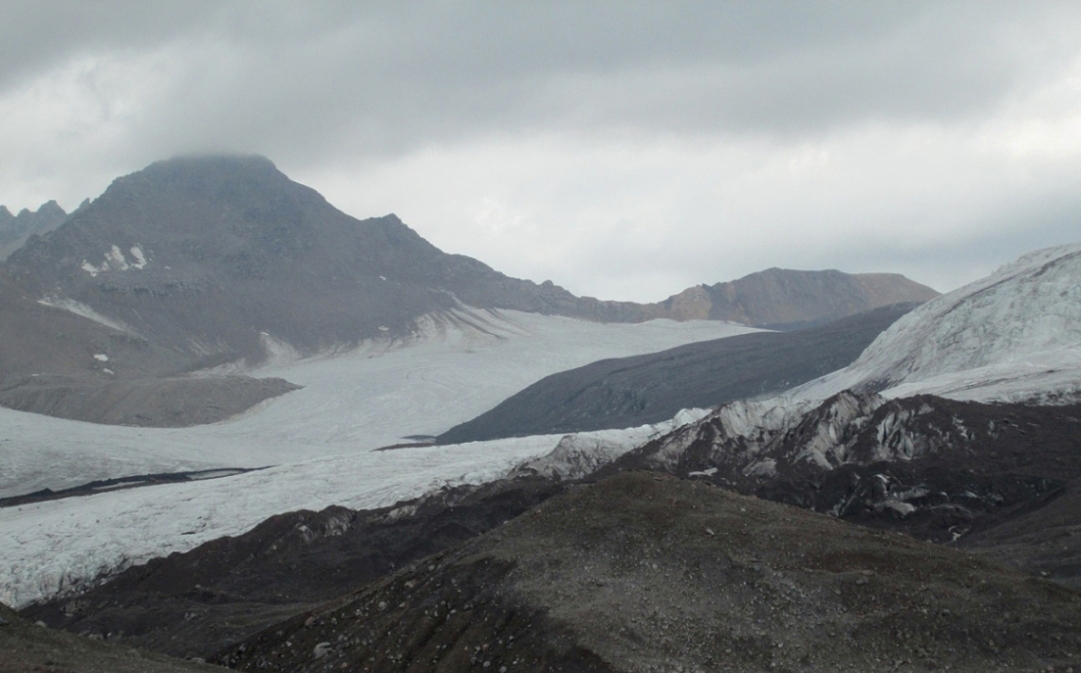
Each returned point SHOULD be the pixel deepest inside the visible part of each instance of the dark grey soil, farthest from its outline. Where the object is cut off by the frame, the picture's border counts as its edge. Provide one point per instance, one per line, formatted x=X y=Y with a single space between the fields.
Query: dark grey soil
x=26 y=647
x=161 y=403
x=627 y=392
x=644 y=572
x=1042 y=539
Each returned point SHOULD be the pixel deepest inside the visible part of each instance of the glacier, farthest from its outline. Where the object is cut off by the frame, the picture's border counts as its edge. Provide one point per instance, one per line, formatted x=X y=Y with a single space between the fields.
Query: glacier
x=58 y=547
x=1014 y=336
x=320 y=442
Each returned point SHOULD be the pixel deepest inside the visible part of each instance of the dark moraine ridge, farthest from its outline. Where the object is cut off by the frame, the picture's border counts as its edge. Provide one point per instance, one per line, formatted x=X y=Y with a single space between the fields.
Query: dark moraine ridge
x=626 y=392
x=643 y=572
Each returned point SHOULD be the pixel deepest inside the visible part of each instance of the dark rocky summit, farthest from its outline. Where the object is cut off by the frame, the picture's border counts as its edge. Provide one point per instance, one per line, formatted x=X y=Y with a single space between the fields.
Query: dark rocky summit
x=627 y=392
x=209 y=256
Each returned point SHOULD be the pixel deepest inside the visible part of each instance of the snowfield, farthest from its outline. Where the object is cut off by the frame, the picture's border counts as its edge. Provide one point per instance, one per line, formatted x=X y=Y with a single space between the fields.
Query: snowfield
x=455 y=367
x=1014 y=336
x=319 y=440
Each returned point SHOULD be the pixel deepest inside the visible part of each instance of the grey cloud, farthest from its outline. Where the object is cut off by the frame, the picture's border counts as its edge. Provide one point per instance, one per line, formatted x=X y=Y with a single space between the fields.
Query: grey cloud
x=388 y=77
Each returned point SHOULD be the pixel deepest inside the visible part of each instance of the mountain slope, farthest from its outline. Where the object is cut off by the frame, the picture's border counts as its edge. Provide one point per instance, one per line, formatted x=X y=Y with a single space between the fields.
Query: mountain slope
x=223 y=261
x=1015 y=335
x=64 y=359
x=207 y=256
x=650 y=388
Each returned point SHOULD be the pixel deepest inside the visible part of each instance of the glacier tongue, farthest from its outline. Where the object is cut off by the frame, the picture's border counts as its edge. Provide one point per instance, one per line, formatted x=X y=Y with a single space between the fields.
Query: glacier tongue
x=1013 y=336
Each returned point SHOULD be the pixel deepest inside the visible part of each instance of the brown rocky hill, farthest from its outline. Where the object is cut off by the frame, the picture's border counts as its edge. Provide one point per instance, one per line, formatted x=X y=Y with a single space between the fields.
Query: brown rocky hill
x=785 y=298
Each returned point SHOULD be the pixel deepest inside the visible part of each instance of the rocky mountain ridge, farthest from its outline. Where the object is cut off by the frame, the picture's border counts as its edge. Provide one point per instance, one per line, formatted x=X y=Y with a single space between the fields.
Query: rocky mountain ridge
x=15 y=230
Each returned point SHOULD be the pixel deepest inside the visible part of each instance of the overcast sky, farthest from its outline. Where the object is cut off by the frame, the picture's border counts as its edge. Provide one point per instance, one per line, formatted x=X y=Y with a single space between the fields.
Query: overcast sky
x=624 y=150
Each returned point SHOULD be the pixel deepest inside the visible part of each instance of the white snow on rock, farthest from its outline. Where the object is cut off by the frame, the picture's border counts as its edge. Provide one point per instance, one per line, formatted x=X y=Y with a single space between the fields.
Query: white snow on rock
x=1013 y=336
x=579 y=454
x=115 y=259
x=140 y=257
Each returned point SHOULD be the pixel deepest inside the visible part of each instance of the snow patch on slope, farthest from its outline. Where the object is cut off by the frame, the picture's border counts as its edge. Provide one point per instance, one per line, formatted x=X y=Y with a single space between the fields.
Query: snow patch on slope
x=1013 y=336
x=82 y=310
x=115 y=259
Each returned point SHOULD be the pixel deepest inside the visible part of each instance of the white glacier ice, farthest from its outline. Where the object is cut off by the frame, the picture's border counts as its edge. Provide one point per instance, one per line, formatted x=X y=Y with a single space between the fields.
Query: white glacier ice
x=1013 y=336
x=447 y=373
